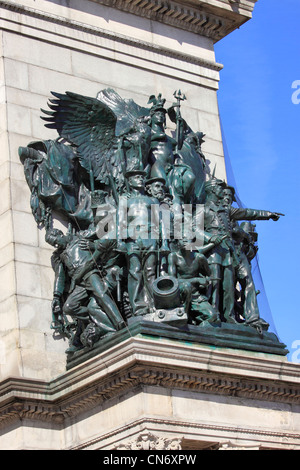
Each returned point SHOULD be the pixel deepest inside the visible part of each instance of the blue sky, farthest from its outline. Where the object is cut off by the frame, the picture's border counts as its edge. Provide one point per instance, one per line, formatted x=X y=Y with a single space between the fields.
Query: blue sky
x=261 y=126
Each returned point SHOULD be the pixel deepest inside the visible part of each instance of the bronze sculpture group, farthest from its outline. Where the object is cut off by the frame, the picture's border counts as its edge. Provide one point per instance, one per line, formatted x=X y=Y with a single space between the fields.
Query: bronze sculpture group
x=125 y=190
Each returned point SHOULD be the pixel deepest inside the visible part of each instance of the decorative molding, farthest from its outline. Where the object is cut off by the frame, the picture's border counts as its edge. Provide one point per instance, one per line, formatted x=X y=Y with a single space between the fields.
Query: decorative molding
x=232 y=336
x=204 y=19
x=178 y=428
x=81 y=36
x=212 y=18
x=139 y=363
x=148 y=441
x=230 y=446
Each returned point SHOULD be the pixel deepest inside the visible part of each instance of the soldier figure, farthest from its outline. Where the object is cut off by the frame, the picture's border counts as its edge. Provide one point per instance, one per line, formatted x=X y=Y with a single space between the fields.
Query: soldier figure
x=218 y=221
x=162 y=146
x=244 y=238
x=141 y=242
x=76 y=266
x=193 y=272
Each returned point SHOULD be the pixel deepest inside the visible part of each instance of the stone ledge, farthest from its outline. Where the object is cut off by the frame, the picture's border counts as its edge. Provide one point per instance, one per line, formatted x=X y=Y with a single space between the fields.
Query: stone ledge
x=77 y=26
x=188 y=433
x=223 y=335
x=99 y=42
x=140 y=362
x=212 y=18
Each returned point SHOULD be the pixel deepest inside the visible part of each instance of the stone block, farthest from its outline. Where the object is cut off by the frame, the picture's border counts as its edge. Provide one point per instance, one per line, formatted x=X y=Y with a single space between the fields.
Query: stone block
x=207 y=123
x=33 y=254
x=2 y=93
x=28 y=279
x=17 y=171
x=16 y=74
x=7 y=281
x=4 y=171
x=6 y=254
x=109 y=418
x=26 y=98
x=47 y=282
x=43 y=81
x=17 y=140
x=40 y=364
x=4 y=154
x=131 y=26
x=25 y=228
x=29 y=438
x=5 y=196
x=6 y=228
x=39 y=131
x=156 y=403
x=203 y=99
x=10 y=365
x=31 y=339
x=195 y=407
x=178 y=40
x=2 y=74
x=8 y=314
x=20 y=196
x=92 y=68
x=3 y=117
x=34 y=314
x=30 y=50
x=19 y=120
x=213 y=147
x=34 y=280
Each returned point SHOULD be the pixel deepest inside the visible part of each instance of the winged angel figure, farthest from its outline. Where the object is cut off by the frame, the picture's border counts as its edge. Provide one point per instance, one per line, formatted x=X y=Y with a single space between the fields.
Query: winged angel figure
x=99 y=140
x=96 y=128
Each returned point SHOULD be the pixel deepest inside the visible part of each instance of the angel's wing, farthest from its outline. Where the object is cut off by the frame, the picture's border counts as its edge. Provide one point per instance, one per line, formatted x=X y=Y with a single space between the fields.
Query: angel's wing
x=89 y=125
x=126 y=111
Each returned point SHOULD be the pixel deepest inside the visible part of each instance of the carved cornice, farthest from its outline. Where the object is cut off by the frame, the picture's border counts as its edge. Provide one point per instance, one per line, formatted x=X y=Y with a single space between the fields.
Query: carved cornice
x=178 y=430
x=138 y=363
x=71 y=27
x=213 y=18
x=149 y=441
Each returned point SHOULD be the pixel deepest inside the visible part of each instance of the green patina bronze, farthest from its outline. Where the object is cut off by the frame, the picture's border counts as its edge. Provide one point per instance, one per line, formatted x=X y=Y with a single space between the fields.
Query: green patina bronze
x=125 y=190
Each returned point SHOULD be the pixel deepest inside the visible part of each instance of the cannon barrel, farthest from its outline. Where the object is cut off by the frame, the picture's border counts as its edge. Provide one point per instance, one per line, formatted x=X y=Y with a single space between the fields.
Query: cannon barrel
x=166 y=292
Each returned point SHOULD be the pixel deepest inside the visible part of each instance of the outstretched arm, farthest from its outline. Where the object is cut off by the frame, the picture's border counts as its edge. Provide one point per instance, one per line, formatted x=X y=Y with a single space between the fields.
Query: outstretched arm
x=253 y=214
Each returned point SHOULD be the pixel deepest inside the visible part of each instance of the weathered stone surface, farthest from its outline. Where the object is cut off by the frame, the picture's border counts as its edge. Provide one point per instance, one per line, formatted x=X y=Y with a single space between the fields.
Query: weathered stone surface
x=202 y=396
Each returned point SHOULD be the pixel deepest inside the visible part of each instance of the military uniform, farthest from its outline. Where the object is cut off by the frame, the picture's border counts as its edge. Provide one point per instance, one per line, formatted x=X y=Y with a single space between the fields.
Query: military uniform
x=79 y=266
x=223 y=260
x=140 y=240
